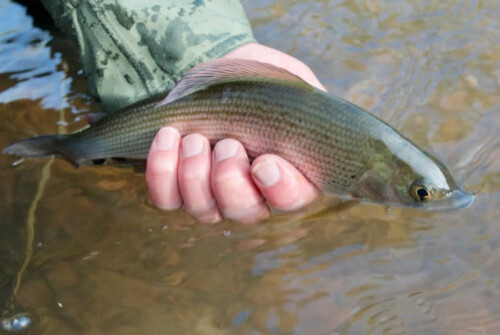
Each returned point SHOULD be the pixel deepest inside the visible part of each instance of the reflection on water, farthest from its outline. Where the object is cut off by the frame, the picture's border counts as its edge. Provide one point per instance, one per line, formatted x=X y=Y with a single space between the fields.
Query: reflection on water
x=104 y=261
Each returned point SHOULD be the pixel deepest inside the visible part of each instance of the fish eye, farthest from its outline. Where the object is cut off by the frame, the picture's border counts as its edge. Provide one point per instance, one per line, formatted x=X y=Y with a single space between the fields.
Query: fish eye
x=420 y=193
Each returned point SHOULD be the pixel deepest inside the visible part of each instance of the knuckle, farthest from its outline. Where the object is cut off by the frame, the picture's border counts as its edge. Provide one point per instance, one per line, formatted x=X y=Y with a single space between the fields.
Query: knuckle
x=161 y=165
x=192 y=175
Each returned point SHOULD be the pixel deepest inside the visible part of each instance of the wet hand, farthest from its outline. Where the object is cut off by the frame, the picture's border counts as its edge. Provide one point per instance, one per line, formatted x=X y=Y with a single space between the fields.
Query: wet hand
x=222 y=183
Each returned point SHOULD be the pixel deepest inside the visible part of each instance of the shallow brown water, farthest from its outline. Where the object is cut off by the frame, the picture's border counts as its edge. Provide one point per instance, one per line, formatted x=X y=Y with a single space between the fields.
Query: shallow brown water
x=105 y=262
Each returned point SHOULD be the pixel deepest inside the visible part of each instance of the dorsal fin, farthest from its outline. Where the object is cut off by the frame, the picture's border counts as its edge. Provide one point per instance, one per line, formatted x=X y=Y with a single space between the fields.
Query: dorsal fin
x=227 y=70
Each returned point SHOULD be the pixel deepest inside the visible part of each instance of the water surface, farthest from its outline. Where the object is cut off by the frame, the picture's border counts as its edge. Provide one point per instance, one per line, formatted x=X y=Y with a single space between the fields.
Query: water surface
x=105 y=262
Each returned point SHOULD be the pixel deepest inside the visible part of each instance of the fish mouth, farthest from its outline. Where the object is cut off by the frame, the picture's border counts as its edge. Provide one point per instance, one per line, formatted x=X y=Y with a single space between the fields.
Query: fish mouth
x=457 y=199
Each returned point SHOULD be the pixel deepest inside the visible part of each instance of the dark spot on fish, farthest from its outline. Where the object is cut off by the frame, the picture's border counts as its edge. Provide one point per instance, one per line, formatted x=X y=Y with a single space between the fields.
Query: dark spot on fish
x=154 y=17
x=181 y=12
x=99 y=72
x=115 y=56
x=353 y=176
x=156 y=8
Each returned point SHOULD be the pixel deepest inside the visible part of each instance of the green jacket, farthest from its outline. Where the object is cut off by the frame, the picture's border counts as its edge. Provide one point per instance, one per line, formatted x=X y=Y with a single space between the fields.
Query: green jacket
x=131 y=50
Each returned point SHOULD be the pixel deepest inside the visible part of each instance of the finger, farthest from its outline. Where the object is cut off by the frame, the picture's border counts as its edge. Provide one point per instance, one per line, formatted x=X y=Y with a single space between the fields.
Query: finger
x=161 y=170
x=284 y=187
x=237 y=196
x=194 y=179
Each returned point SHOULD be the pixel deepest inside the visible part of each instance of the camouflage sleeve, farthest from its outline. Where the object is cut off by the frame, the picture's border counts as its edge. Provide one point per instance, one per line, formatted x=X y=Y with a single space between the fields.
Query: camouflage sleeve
x=131 y=50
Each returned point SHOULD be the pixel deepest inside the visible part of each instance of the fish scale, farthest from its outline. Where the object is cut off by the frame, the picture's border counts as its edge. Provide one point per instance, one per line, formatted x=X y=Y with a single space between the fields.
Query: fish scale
x=298 y=128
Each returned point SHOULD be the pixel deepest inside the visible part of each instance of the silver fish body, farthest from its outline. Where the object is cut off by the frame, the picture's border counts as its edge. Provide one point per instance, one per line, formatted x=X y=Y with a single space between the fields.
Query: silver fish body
x=342 y=149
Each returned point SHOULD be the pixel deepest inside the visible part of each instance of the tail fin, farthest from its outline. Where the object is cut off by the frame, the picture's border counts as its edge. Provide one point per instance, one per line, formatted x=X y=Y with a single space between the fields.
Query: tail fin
x=44 y=146
x=41 y=146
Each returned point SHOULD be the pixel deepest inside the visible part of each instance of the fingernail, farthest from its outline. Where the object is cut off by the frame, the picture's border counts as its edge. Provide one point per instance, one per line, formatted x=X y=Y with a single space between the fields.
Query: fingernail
x=165 y=139
x=267 y=172
x=225 y=149
x=192 y=145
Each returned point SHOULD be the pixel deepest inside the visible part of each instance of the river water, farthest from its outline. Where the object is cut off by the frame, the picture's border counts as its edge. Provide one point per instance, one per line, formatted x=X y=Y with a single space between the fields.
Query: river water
x=82 y=251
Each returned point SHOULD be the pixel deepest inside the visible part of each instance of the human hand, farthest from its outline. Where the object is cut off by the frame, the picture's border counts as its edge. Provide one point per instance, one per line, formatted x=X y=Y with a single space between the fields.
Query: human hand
x=223 y=183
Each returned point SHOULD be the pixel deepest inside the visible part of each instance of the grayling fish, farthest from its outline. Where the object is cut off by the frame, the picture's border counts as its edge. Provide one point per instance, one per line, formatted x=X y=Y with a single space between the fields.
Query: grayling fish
x=342 y=149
